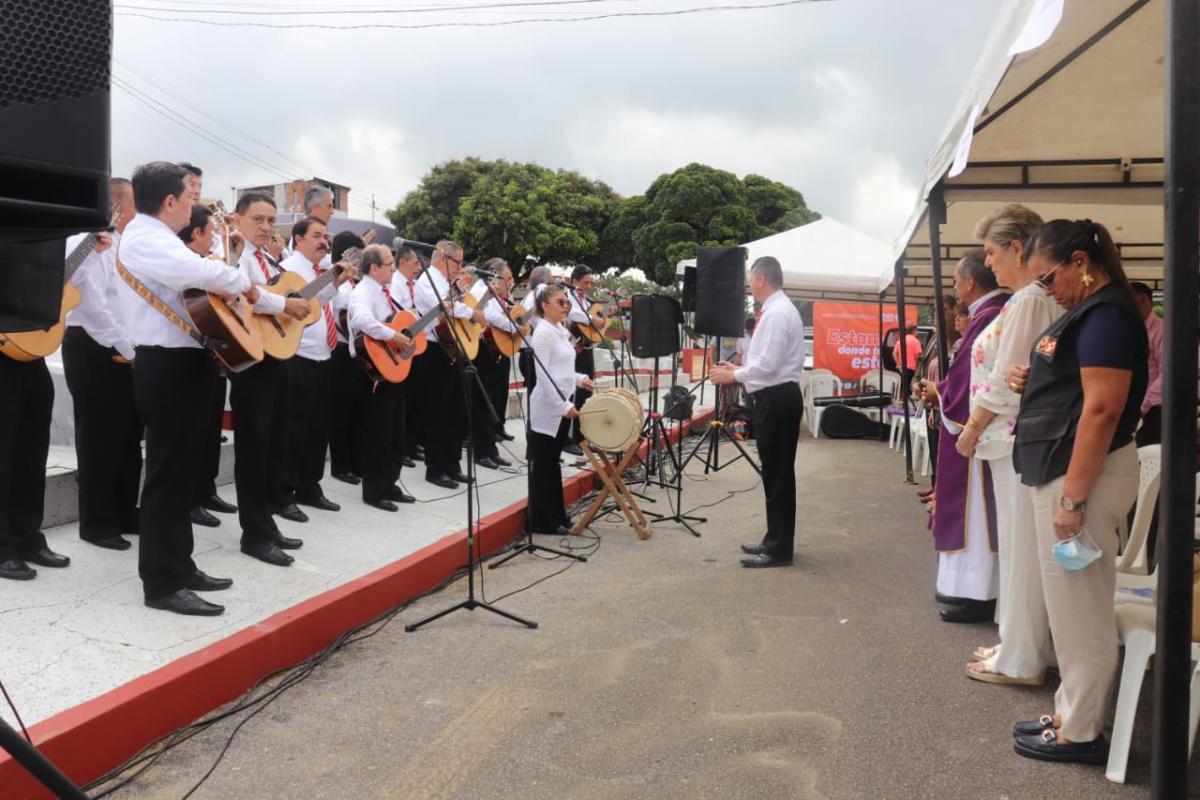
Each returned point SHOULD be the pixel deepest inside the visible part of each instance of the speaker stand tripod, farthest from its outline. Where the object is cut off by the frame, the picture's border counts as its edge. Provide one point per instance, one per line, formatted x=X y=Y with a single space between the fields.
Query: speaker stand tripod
x=712 y=441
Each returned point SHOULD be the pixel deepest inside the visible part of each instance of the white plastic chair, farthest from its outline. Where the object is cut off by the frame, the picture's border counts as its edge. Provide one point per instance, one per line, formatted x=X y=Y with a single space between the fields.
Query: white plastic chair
x=820 y=385
x=1137 y=624
x=1135 y=583
x=921 y=454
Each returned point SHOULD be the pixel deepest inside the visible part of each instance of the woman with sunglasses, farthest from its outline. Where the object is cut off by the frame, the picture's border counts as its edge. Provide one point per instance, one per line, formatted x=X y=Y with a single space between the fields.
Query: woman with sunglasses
x=1074 y=450
x=988 y=435
x=551 y=405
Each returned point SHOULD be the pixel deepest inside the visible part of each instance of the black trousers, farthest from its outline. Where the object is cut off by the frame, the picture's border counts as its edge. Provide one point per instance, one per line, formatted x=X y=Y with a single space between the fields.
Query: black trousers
x=499 y=389
x=527 y=367
x=484 y=403
x=443 y=411
x=1151 y=430
x=210 y=449
x=26 y=402
x=935 y=433
x=344 y=424
x=261 y=415
x=547 y=510
x=585 y=362
x=381 y=442
x=777 y=412
x=310 y=390
x=172 y=387
x=108 y=436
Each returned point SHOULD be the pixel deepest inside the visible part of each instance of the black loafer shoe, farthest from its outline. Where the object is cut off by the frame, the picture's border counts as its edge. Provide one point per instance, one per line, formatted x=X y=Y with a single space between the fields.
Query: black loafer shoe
x=268 y=552
x=292 y=513
x=505 y=436
x=320 y=502
x=45 y=557
x=488 y=462
x=111 y=543
x=947 y=600
x=187 y=603
x=573 y=449
x=458 y=476
x=442 y=481
x=1034 y=727
x=408 y=462
x=398 y=495
x=201 y=517
x=970 y=612
x=764 y=560
x=1045 y=747
x=504 y=462
x=348 y=477
x=286 y=542
x=200 y=582
x=382 y=505
x=215 y=503
x=17 y=570
x=753 y=549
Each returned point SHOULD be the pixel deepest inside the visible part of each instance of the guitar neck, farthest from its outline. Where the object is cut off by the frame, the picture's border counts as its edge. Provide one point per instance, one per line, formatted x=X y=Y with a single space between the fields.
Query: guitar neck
x=75 y=260
x=420 y=324
x=314 y=288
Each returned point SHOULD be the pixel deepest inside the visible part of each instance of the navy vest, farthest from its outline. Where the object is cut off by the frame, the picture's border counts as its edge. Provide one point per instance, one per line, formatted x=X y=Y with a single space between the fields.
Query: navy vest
x=1053 y=399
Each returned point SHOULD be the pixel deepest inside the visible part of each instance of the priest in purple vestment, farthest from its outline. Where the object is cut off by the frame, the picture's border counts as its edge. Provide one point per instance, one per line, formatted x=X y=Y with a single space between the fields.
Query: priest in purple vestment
x=964 y=509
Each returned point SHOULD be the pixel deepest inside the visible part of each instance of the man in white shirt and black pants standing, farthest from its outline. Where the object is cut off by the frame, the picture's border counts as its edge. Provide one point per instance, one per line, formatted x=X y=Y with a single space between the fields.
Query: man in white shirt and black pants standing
x=771 y=374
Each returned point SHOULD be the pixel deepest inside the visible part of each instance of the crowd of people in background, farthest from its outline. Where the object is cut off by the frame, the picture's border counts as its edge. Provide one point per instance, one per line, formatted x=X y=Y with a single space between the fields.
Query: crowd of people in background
x=1054 y=372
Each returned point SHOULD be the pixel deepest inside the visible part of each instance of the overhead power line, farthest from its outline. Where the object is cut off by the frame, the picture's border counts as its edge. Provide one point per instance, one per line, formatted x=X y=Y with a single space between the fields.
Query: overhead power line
x=292 y=11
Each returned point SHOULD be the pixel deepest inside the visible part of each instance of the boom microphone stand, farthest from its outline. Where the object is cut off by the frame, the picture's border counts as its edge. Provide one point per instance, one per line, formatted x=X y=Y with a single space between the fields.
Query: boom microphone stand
x=38 y=765
x=468 y=377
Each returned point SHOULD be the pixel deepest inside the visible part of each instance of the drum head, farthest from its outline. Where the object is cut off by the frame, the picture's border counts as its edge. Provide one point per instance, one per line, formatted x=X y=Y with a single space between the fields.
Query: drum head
x=611 y=420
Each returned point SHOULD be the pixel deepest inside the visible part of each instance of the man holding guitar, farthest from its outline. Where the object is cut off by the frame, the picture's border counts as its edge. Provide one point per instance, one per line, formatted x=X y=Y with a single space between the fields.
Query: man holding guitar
x=172 y=381
x=582 y=283
x=492 y=365
x=404 y=285
x=96 y=353
x=259 y=399
x=370 y=306
x=311 y=372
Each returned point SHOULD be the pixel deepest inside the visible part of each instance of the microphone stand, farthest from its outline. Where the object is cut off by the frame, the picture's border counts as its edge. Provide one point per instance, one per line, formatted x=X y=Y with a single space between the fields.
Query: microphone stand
x=468 y=376
x=38 y=765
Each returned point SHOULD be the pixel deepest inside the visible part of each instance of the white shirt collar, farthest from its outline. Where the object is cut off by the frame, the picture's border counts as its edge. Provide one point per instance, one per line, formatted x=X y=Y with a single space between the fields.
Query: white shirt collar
x=971 y=309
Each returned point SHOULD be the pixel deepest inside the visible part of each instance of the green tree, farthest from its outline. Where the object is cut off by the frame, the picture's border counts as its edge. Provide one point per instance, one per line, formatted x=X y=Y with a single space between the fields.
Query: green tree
x=616 y=241
x=430 y=211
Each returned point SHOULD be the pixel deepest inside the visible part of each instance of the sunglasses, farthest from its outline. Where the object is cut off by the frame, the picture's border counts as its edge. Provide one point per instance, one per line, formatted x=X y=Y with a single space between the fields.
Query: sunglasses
x=1047 y=280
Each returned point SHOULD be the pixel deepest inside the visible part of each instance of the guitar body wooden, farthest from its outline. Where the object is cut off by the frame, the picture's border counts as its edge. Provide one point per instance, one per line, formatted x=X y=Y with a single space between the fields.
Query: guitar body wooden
x=509 y=344
x=281 y=334
x=383 y=360
x=589 y=334
x=468 y=333
x=32 y=345
x=230 y=322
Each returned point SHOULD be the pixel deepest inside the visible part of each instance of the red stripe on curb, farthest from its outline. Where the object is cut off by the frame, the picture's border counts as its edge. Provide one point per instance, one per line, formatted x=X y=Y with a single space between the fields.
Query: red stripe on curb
x=94 y=737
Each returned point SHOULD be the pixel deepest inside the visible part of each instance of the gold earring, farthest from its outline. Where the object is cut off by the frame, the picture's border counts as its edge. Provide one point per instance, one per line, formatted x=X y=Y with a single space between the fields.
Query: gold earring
x=1086 y=278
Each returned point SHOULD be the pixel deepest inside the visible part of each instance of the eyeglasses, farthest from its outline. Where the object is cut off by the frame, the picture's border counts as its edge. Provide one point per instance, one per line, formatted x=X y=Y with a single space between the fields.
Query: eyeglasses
x=1047 y=280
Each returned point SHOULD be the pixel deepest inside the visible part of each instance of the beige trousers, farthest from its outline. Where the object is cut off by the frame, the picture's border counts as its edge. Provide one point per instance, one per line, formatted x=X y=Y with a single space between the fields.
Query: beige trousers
x=1080 y=603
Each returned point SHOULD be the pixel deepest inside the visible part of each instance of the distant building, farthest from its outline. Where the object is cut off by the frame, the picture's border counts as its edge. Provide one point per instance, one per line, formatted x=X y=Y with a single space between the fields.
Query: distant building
x=289 y=197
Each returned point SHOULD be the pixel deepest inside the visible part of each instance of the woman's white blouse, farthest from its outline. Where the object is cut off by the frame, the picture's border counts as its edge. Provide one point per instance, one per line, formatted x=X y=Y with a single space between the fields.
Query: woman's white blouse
x=556 y=355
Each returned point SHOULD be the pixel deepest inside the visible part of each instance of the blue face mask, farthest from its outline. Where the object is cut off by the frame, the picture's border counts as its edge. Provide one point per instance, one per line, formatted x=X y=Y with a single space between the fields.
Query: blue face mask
x=1077 y=552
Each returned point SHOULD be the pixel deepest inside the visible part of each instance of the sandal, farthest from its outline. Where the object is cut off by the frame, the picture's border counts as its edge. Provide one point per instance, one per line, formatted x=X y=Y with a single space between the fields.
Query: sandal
x=985 y=653
x=985 y=671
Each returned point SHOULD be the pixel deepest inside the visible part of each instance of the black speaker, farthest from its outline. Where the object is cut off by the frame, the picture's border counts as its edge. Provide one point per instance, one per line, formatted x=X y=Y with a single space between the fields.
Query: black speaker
x=687 y=298
x=655 y=325
x=33 y=284
x=721 y=291
x=55 y=59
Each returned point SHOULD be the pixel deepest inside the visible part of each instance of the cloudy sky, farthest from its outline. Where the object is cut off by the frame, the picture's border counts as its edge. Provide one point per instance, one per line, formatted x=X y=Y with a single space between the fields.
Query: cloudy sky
x=842 y=99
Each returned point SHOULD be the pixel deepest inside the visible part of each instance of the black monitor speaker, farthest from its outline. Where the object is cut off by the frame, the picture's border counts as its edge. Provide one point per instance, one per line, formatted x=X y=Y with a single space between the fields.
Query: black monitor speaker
x=54 y=117
x=721 y=291
x=655 y=325
x=687 y=298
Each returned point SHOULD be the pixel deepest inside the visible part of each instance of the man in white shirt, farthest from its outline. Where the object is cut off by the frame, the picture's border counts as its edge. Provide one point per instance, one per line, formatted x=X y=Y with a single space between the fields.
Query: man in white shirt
x=403 y=287
x=771 y=374
x=172 y=383
x=492 y=367
x=381 y=442
x=96 y=355
x=443 y=406
x=311 y=372
x=581 y=284
x=345 y=460
x=259 y=399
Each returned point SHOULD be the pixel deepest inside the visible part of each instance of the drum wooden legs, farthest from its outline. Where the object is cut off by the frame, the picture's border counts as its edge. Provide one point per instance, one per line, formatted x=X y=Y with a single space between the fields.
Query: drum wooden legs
x=610 y=473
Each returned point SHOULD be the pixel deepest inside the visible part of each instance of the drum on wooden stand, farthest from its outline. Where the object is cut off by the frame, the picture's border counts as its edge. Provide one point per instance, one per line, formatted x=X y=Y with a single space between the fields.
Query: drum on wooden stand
x=611 y=420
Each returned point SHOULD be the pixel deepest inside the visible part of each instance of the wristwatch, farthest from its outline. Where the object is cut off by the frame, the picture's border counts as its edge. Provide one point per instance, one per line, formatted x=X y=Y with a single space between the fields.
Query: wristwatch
x=1072 y=505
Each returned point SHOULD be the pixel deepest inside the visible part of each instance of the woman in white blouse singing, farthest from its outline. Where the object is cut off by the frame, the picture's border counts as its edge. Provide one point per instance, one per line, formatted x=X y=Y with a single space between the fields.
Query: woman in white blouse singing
x=550 y=410
x=1024 y=649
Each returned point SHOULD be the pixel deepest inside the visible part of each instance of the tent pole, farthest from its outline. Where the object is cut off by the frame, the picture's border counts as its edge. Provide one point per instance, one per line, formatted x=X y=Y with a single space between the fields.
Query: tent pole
x=1181 y=190
x=881 y=294
x=937 y=215
x=900 y=332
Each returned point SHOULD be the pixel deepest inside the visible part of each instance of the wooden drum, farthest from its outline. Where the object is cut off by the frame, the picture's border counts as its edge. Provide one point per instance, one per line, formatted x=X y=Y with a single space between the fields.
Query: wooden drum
x=611 y=420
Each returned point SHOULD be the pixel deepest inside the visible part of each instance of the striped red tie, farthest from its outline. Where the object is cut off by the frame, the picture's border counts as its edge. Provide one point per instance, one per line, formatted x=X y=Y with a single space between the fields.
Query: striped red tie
x=330 y=330
x=262 y=262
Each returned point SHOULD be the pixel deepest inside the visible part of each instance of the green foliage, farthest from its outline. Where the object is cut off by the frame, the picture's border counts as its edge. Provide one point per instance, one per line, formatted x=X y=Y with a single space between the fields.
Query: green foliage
x=429 y=212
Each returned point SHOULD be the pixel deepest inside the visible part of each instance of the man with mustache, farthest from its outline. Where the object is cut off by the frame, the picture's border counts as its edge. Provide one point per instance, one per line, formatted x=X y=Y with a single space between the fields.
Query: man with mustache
x=311 y=375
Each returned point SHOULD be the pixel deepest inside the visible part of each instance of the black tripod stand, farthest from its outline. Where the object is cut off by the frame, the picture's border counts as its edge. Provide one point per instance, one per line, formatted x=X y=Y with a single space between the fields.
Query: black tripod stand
x=468 y=380
x=712 y=441
x=38 y=765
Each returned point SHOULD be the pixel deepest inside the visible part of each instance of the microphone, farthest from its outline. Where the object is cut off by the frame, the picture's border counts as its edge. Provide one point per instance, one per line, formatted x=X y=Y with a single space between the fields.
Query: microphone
x=531 y=259
x=483 y=273
x=400 y=241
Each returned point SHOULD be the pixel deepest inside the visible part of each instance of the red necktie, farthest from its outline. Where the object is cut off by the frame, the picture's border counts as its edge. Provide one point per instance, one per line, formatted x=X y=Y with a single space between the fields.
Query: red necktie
x=388 y=295
x=412 y=298
x=262 y=262
x=330 y=330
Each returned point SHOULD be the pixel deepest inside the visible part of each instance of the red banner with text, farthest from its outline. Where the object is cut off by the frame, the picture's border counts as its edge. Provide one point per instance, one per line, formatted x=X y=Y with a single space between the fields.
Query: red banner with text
x=846 y=336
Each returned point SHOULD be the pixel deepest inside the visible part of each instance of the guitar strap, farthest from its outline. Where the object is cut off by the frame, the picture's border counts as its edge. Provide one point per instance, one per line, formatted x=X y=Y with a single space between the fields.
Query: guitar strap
x=150 y=297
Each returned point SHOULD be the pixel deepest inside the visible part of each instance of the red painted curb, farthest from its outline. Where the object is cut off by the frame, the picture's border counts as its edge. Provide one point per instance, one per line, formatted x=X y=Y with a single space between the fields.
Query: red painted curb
x=90 y=739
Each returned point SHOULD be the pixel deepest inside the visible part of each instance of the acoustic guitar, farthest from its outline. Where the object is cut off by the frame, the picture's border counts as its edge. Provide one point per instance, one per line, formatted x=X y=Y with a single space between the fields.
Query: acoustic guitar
x=228 y=326
x=32 y=345
x=508 y=343
x=384 y=361
x=592 y=334
x=467 y=330
x=281 y=333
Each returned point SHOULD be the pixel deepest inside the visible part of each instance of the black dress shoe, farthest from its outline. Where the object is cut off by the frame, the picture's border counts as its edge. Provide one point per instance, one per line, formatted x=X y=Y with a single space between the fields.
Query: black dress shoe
x=418 y=453
x=382 y=505
x=505 y=436
x=348 y=477
x=111 y=543
x=764 y=560
x=215 y=503
x=320 y=501
x=1034 y=727
x=488 y=462
x=459 y=476
x=201 y=517
x=573 y=449
x=286 y=542
x=45 y=557
x=442 y=481
x=186 y=602
x=292 y=512
x=504 y=462
x=947 y=600
x=200 y=582
x=971 y=611
x=400 y=496
x=268 y=552
x=753 y=549
x=14 y=569
x=1045 y=747
x=408 y=462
